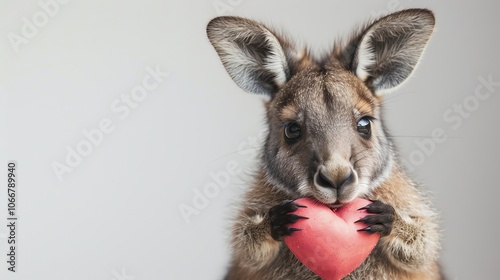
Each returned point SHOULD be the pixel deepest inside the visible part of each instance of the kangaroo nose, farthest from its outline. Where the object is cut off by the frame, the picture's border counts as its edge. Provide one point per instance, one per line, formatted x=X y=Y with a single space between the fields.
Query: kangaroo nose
x=333 y=182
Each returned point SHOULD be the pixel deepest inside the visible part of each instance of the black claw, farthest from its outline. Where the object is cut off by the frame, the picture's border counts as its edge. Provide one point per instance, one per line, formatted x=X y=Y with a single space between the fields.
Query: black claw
x=282 y=218
x=362 y=220
x=299 y=217
x=367 y=229
x=365 y=207
x=292 y=218
x=382 y=219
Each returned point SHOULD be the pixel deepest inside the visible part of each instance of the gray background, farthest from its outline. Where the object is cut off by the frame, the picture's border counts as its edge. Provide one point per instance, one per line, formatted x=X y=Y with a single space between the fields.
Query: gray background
x=116 y=215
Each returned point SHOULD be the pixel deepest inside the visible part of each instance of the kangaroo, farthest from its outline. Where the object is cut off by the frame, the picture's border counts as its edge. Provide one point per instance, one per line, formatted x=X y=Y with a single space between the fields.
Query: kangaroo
x=327 y=141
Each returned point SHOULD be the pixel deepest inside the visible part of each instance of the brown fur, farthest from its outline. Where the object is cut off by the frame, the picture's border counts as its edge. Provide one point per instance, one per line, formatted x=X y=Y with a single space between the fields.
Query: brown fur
x=327 y=99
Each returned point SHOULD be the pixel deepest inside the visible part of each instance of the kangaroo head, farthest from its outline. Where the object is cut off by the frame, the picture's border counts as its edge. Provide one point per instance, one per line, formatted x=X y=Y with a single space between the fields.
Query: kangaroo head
x=326 y=137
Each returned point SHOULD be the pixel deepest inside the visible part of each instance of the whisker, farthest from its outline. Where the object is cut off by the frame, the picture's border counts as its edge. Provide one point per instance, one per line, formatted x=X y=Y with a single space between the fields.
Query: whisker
x=418 y=137
x=232 y=153
x=359 y=160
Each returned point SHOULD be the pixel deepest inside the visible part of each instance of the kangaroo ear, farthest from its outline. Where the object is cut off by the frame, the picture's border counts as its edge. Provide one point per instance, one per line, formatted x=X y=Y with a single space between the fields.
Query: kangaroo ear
x=253 y=56
x=390 y=48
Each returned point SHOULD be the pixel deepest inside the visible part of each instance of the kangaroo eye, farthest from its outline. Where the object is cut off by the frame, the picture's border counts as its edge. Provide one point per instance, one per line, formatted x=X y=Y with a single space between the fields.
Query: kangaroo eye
x=364 y=127
x=292 y=131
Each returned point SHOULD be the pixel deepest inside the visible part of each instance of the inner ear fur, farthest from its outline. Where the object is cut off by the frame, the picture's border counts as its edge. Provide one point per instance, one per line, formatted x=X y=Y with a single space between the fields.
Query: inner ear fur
x=258 y=60
x=385 y=53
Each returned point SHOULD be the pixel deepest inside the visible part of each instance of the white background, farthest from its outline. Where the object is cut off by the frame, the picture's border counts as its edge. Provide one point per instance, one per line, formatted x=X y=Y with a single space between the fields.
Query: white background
x=116 y=215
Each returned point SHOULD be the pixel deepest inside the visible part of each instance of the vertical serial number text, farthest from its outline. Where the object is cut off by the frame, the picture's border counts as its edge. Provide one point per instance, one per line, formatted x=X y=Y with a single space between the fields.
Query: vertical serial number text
x=11 y=216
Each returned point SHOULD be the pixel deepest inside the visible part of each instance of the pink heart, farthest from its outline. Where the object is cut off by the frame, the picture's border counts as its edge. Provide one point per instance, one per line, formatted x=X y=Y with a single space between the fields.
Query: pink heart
x=330 y=244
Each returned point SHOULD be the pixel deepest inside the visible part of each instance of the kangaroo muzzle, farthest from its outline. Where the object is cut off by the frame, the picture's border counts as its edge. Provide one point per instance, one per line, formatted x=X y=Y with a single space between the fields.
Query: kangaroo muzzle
x=335 y=181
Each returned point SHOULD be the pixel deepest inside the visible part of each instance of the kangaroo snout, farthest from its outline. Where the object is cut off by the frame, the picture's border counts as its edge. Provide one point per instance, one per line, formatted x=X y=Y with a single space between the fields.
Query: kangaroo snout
x=336 y=180
x=333 y=180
